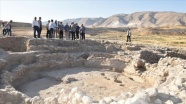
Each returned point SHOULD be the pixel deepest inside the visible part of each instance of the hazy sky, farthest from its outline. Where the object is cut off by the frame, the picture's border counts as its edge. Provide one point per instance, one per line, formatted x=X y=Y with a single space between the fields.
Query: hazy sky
x=26 y=10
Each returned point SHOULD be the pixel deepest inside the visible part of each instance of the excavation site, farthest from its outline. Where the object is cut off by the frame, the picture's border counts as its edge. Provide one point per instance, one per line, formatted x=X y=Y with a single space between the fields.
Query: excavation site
x=56 y=71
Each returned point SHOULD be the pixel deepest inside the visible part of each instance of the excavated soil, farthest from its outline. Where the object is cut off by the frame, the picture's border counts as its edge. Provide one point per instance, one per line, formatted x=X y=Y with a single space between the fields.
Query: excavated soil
x=43 y=67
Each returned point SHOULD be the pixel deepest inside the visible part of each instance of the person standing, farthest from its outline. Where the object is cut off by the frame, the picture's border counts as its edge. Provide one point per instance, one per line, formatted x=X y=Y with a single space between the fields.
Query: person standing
x=3 y=28
x=55 y=28
x=48 y=29
x=77 y=31
x=35 y=26
x=73 y=30
x=66 y=28
x=70 y=31
x=40 y=27
x=82 y=32
x=51 y=27
x=128 y=36
x=61 y=27
x=9 y=28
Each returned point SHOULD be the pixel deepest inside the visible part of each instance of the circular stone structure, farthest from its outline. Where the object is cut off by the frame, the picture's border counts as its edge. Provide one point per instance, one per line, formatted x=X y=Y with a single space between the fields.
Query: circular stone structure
x=54 y=71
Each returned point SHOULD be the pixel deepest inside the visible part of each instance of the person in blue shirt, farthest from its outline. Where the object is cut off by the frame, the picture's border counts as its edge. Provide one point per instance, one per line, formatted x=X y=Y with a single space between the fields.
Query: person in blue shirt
x=66 y=28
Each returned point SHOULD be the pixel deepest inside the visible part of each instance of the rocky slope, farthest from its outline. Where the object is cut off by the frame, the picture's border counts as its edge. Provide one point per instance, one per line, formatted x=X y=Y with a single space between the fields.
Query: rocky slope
x=138 y=19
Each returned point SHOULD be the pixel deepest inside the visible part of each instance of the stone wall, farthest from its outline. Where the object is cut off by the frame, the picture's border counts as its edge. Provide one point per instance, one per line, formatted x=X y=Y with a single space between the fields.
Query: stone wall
x=14 y=44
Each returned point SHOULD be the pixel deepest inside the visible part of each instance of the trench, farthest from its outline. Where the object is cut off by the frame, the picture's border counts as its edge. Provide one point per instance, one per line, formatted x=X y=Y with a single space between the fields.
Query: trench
x=43 y=67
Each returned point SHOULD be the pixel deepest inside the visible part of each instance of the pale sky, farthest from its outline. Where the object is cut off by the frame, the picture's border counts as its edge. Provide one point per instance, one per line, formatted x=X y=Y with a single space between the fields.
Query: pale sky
x=26 y=10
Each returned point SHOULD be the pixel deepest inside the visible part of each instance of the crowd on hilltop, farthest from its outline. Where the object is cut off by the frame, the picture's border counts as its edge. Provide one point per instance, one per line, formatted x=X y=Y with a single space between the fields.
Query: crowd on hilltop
x=7 y=28
x=56 y=29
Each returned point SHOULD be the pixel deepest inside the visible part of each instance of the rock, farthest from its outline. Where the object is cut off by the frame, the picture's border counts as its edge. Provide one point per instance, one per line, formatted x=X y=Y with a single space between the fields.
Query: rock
x=87 y=100
x=164 y=95
x=63 y=96
x=74 y=101
x=158 y=101
x=79 y=97
x=35 y=100
x=179 y=81
x=169 y=102
x=102 y=101
x=140 y=63
x=175 y=99
x=128 y=101
x=149 y=56
x=67 y=80
x=108 y=100
x=51 y=100
x=127 y=95
x=110 y=48
x=133 y=48
x=141 y=101
x=182 y=94
x=152 y=92
x=114 y=102
x=2 y=63
x=121 y=102
x=84 y=55
x=141 y=95
x=28 y=101
x=116 y=64
x=174 y=88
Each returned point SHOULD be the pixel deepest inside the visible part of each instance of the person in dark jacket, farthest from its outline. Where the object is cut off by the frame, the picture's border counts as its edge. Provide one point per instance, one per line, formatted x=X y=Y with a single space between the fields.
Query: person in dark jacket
x=77 y=31
x=73 y=30
x=61 y=27
x=48 y=29
x=35 y=26
x=40 y=27
x=9 y=28
x=3 y=28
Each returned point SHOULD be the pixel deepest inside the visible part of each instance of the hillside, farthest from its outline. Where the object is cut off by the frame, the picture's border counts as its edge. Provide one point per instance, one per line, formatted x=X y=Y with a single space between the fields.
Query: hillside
x=18 y=24
x=138 y=19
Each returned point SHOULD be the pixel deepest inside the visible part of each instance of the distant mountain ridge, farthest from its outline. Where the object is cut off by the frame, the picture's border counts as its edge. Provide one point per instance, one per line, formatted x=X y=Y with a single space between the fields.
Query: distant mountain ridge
x=138 y=19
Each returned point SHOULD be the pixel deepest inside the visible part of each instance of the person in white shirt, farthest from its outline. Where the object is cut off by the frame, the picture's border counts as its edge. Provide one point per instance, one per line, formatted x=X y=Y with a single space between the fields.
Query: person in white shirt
x=128 y=36
x=35 y=26
x=52 y=26
x=55 y=29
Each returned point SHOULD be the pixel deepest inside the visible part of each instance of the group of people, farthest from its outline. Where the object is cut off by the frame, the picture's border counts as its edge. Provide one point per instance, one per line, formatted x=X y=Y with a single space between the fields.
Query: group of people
x=37 y=27
x=7 y=28
x=56 y=29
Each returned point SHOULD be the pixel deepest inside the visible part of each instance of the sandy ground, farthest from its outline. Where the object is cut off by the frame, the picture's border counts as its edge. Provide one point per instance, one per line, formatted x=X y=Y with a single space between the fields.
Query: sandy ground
x=97 y=83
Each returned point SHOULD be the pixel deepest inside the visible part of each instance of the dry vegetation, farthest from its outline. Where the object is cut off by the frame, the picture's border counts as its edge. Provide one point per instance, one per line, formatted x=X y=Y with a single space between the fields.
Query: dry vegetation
x=167 y=36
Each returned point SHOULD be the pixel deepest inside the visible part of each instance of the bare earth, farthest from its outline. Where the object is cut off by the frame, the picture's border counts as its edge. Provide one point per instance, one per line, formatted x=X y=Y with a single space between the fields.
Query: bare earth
x=94 y=82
